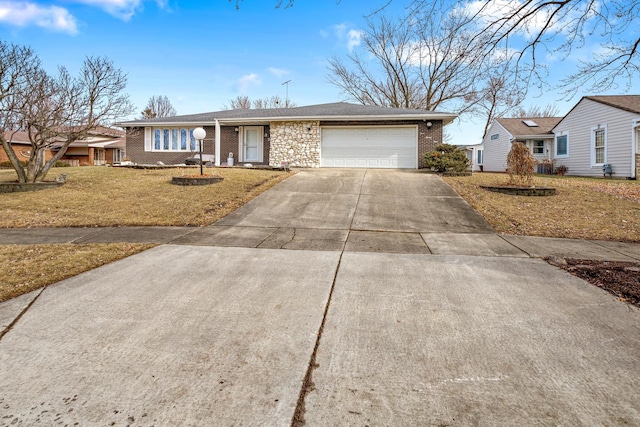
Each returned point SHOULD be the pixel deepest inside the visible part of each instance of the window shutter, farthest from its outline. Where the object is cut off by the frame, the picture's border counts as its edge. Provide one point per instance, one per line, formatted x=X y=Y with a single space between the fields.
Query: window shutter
x=147 y=139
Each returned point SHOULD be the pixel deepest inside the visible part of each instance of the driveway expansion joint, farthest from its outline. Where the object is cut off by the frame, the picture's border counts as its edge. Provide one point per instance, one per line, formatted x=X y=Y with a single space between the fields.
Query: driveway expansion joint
x=19 y=316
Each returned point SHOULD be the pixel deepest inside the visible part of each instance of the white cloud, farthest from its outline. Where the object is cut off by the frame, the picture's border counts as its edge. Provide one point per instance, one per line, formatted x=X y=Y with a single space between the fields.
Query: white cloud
x=123 y=9
x=347 y=35
x=353 y=39
x=248 y=80
x=278 y=72
x=23 y=14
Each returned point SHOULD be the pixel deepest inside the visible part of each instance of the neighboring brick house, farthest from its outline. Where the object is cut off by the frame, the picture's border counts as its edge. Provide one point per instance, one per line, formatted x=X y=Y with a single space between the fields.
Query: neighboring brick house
x=102 y=146
x=21 y=146
x=326 y=135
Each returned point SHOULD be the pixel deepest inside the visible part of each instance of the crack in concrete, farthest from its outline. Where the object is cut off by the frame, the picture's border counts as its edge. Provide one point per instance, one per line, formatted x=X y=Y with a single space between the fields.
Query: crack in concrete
x=308 y=384
x=19 y=316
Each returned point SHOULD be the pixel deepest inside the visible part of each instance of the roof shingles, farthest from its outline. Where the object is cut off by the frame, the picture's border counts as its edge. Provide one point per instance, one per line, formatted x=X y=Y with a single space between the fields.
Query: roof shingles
x=517 y=127
x=629 y=103
x=332 y=110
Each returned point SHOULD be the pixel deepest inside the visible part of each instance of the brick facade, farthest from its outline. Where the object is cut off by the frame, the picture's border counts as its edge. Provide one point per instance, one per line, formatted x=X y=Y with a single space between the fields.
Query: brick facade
x=136 y=152
x=21 y=153
x=228 y=144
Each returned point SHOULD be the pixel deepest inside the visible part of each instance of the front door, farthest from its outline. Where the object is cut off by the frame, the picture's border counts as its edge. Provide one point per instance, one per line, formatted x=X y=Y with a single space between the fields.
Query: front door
x=252 y=144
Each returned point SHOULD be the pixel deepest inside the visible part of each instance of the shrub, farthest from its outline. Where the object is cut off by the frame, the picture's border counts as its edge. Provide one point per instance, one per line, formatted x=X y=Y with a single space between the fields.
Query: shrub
x=61 y=164
x=520 y=164
x=447 y=157
x=7 y=164
x=562 y=170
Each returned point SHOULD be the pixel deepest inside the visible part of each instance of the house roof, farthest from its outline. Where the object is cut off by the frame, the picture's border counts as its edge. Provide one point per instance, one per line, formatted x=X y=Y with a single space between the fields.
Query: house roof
x=17 y=137
x=335 y=111
x=517 y=127
x=629 y=103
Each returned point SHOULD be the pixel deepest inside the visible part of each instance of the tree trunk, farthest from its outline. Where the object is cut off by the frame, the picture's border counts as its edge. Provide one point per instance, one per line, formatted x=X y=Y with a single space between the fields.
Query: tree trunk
x=15 y=162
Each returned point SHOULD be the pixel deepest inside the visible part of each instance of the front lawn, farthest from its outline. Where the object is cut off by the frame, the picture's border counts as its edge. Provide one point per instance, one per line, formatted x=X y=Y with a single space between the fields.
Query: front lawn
x=101 y=197
x=104 y=196
x=583 y=208
x=28 y=267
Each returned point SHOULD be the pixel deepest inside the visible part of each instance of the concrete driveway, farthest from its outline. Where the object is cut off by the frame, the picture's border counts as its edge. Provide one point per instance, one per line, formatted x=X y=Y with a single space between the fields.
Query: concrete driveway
x=339 y=297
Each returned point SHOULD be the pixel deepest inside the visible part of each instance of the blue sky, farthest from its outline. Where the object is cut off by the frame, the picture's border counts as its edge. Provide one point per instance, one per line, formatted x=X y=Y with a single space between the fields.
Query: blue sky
x=201 y=54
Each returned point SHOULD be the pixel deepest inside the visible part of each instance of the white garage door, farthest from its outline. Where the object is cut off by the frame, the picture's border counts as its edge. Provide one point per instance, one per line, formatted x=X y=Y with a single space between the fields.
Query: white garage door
x=369 y=147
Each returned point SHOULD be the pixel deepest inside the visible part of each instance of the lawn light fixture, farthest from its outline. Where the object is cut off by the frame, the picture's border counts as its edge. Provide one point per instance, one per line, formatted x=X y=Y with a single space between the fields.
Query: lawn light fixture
x=199 y=134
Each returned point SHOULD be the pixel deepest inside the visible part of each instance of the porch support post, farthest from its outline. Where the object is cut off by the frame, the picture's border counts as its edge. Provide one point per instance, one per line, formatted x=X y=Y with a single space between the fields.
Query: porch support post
x=217 y=149
x=635 y=145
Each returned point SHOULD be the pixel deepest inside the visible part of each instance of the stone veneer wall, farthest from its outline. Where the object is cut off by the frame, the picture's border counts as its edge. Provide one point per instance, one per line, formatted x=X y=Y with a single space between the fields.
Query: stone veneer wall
x=292 y=143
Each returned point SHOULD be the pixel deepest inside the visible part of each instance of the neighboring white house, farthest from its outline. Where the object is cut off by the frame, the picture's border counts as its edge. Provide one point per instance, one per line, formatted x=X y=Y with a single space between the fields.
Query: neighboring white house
x=600 y=130
x=534 y=132
x=475 y=154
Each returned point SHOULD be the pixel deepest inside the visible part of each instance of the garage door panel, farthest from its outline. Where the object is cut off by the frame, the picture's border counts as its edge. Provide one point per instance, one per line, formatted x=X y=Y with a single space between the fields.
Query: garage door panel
x=374 y=147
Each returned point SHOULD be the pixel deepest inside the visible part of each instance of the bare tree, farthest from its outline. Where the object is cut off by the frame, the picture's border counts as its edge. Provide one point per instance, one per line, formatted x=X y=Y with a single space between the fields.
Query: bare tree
x=244 y=102
x=500 y=97
x=548 y=110
x=158 y=106
x=273 y=102
x=241 y=102
x=427 y=60
x=55 y=110
x=18 y=66
x=560 y=27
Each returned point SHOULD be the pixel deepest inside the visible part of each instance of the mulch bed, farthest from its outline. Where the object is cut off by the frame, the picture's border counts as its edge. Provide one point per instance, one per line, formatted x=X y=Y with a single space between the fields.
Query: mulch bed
x=622 y=279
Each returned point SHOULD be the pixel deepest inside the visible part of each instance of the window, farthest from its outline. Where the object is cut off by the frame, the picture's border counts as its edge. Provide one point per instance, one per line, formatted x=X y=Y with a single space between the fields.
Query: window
x=538 y=147
x=598 y=145
x=479 y=157
x=562 y=146
x=495 y=136
x=173 y=139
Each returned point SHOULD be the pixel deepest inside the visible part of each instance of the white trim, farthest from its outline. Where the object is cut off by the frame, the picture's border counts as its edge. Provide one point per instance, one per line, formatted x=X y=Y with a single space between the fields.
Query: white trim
x=555 y=149
x=635 y=145
x=446 y=118
x=240 y=134
x=178 y=143
x=217 y=144
x=593 y=145
x=241 y=146
x=148 y=140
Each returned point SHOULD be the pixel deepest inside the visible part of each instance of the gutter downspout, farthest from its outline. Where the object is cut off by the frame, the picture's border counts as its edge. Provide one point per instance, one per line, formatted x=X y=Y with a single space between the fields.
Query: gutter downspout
x=217 y=144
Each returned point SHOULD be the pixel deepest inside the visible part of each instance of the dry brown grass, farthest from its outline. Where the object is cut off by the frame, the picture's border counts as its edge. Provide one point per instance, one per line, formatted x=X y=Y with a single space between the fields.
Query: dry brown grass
x=583 y=208
x=103 y=196
x=29 y=267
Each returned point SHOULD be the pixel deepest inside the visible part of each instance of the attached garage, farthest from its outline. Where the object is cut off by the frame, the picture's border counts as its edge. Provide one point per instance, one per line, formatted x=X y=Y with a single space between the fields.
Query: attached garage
x=394 y=147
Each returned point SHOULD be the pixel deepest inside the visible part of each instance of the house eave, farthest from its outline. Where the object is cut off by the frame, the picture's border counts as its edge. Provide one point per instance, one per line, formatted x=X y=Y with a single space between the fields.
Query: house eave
x=542 y=136
x=446 y=118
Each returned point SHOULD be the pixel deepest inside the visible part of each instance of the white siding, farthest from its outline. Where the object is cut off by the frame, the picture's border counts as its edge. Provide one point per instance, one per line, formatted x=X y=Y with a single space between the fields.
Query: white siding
x=579 y=124
x=496 y=150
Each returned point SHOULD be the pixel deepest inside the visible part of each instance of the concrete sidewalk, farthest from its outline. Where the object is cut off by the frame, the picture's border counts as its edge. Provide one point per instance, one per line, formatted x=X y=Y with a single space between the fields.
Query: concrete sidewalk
x=285 y=313
x=304 y=238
